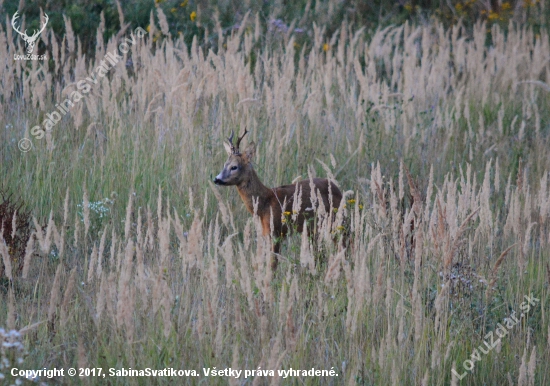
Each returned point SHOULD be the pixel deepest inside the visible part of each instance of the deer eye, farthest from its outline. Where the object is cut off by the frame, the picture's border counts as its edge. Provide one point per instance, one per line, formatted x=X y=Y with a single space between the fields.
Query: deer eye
x=234 y=167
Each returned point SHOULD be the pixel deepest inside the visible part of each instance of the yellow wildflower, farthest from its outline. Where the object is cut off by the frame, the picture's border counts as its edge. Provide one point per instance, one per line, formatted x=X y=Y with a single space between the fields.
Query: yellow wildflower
x=340 y=228
x=506 y=6
x=287 y=213
x=148 y=28
x=183 y=4
x=352 y=201
x=193 y=16
x=335 y=210
x=360 y=206
x=408 y=7
x=326 y=47
x=173 y=10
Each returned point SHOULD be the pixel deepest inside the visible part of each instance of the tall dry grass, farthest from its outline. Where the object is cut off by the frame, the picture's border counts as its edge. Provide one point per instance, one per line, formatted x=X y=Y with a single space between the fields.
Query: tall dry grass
x=441 y=139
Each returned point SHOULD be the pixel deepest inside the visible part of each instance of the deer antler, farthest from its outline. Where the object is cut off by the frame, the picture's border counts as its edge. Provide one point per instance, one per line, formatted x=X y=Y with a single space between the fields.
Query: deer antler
x=234 y=150
x=15 y=17
x=43 y=26
x=240 y=138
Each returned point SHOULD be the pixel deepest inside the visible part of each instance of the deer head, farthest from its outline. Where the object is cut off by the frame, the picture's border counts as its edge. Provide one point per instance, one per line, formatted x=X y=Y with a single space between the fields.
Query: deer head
x=238 y=166
x=29 y=40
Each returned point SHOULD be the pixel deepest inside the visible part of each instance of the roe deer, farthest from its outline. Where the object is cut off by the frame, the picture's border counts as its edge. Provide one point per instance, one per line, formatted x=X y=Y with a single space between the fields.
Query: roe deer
x=274 y=202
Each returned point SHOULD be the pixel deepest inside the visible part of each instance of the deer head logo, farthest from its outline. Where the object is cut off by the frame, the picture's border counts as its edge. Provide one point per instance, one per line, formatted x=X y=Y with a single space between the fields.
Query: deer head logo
x=29 y=40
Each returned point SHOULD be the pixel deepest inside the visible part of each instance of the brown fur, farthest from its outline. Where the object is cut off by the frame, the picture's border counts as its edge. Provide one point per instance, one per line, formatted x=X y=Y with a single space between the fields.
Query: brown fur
x=270 y=201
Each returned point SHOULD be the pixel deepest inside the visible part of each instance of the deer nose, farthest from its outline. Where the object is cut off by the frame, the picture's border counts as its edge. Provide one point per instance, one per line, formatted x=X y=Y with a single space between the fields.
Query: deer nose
x=218 y=180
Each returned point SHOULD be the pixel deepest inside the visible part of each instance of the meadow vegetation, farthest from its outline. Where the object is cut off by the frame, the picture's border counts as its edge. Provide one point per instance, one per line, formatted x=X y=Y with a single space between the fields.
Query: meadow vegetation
x=118 y=251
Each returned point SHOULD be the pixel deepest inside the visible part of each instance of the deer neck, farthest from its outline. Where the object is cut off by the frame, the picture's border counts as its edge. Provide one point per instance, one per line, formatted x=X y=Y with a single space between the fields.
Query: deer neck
x=252 y=188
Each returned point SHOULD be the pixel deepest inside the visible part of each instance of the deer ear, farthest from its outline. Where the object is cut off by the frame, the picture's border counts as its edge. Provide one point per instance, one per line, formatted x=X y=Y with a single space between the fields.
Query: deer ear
x=250 y=151
x=228 y=147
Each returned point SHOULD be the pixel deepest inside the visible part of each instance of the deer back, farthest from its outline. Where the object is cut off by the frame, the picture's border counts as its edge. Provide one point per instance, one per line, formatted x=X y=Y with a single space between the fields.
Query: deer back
x=284 y=196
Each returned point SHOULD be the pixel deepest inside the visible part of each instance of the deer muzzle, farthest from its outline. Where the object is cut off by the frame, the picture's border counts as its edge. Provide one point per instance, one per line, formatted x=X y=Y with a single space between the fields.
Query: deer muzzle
x=217 y=181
